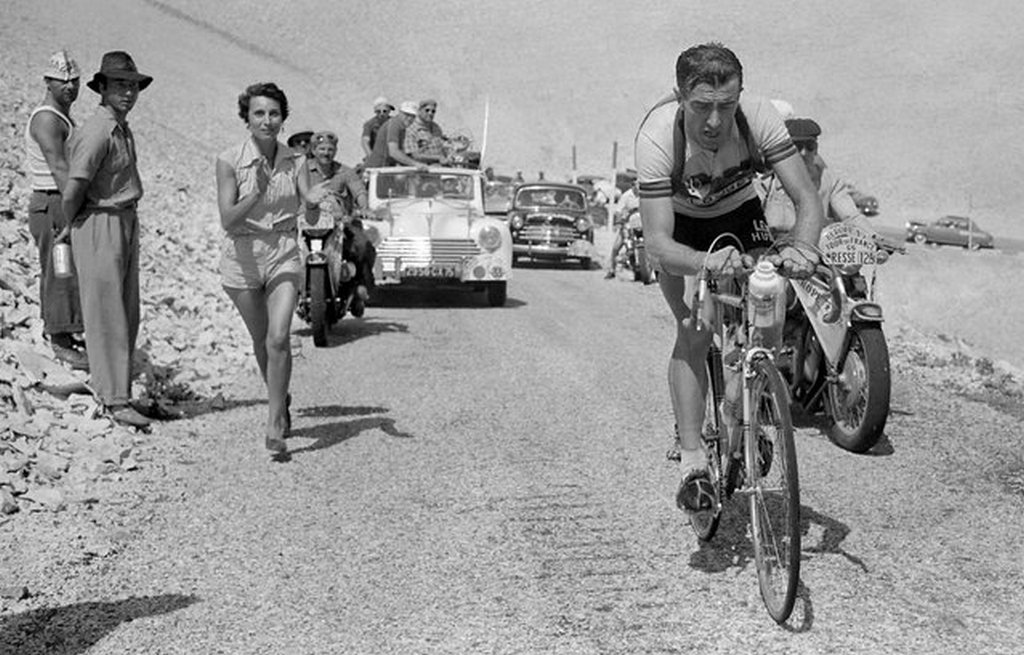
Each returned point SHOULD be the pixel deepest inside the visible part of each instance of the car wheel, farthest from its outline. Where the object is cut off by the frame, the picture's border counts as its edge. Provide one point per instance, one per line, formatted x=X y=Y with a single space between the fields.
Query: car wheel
x=585 y=263
x=920 y=239
x=497 y=293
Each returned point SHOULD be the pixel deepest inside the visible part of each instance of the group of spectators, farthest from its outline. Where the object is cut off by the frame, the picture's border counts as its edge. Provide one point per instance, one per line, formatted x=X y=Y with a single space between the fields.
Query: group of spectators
x=411 y=137
x=85 y=187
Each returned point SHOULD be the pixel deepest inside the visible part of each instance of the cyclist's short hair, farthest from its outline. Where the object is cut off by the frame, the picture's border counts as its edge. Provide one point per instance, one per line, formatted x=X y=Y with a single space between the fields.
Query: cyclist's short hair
x=710 y=63
x=265 y=90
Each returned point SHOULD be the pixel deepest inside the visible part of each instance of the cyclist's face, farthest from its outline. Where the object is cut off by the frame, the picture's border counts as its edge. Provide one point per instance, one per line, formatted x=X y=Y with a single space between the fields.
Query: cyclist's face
x=710 y=112
x=808 y=149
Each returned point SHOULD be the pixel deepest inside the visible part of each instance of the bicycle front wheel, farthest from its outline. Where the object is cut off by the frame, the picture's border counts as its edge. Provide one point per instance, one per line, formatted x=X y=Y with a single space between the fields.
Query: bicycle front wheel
x=770 y=458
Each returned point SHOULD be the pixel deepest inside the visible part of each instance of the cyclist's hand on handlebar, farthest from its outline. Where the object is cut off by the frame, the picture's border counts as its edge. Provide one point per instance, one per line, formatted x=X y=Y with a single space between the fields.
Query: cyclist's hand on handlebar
x=728 y=262
x=795 y=261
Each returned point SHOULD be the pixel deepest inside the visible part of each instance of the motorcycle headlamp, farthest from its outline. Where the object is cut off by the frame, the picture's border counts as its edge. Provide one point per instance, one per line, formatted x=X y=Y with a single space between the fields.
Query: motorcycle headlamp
x=582 y=225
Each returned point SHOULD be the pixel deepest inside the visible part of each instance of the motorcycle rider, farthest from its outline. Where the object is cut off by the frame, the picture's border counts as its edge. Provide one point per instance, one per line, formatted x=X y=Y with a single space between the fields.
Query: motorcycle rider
x=330 y=187
x=696 y=155
x=833 y=191
x=629 y=202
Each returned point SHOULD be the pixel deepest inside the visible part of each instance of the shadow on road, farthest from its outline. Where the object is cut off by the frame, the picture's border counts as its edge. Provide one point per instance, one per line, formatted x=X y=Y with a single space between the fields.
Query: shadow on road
x=820 y=422
x=348 y=330
x=76 y=628
x=732 y=547
x=450 y=298
x=332 y=434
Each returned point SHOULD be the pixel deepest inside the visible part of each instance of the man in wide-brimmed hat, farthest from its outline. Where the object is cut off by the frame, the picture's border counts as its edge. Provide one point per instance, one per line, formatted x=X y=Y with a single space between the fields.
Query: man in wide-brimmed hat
x=100 y=197
x=46 y=134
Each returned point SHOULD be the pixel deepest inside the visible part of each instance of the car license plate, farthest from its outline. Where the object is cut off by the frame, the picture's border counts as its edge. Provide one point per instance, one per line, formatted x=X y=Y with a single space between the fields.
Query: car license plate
x=431 y=271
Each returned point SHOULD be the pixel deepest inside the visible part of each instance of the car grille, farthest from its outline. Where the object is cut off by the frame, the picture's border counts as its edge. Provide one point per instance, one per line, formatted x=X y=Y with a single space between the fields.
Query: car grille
x=423 y=251
x=549 y=228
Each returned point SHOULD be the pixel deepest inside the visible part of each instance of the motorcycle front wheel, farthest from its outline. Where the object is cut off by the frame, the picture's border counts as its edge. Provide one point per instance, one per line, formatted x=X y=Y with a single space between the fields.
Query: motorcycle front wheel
x=858 y=402
x=643 y=271
x=319 y=312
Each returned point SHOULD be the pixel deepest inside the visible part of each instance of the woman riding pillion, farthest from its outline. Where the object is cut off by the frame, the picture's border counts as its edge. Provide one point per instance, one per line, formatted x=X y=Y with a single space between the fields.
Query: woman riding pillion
x=697 y=154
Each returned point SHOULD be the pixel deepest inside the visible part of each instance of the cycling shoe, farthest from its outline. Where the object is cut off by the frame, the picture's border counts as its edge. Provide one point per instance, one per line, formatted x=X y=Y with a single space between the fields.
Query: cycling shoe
x=696 y=493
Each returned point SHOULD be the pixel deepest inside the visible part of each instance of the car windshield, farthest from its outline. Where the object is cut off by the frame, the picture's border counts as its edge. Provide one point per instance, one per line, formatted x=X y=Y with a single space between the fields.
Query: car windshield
x=425 y=185
x=551 y=197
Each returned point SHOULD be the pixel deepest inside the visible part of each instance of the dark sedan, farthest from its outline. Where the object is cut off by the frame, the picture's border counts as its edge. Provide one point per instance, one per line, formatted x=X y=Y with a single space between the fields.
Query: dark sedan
x=549 y=221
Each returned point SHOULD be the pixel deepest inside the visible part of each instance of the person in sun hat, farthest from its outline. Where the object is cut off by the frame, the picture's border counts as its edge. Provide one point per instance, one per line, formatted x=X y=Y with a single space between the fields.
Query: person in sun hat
x=47 y=131
x=99 y=200
x=388 y=150
x=381 y=113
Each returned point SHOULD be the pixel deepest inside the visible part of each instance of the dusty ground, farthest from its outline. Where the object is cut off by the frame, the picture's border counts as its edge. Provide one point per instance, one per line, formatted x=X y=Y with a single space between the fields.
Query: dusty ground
x=535 y=516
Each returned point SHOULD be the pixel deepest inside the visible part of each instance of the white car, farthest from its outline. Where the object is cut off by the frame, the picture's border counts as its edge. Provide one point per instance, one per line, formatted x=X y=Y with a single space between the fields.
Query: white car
x=430 y=229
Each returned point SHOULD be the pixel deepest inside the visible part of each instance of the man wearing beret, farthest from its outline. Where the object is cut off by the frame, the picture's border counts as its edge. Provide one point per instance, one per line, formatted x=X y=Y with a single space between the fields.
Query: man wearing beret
x=99 y=199
x=834 y=192
x=46 y=134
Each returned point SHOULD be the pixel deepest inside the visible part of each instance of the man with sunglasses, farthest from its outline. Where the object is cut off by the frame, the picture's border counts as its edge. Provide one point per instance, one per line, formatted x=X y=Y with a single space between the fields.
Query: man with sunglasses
x=424 y=140
x=381 y=113
x=336 y=191
x=697 y=153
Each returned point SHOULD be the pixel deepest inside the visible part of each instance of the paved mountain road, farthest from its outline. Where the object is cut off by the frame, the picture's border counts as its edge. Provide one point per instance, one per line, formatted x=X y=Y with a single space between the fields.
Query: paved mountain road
x=471 y=479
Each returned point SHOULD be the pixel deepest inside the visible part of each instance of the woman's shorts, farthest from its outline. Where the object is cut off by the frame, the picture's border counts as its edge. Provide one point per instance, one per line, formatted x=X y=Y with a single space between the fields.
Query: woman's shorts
x=747 y=222
x=254 y=261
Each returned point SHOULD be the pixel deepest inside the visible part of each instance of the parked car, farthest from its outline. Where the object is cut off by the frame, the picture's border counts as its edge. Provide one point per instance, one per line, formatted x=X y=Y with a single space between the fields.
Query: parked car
x=430 y=230
x=950 y=230
x=868 y=205
x=550 y=221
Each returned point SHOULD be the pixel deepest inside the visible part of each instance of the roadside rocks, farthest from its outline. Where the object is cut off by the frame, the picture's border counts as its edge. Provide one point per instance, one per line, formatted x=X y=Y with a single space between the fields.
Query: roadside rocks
x=55 y=440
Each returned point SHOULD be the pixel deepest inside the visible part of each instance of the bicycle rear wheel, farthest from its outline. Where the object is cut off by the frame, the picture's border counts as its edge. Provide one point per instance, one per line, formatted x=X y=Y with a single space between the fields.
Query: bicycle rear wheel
x=770 y=458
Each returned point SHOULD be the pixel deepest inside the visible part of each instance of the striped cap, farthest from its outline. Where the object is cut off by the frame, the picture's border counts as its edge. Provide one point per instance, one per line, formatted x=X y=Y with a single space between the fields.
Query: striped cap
x=62 y=67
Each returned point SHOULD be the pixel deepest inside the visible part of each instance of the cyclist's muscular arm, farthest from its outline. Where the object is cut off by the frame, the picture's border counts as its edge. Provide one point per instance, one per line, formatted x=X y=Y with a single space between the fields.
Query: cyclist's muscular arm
x=669 y=255
x=795 y=179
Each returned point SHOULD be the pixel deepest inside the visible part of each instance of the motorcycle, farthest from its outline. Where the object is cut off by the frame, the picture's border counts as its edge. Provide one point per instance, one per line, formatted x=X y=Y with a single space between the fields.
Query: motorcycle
x=633 y=254
x=329 y=288
x=839 y=358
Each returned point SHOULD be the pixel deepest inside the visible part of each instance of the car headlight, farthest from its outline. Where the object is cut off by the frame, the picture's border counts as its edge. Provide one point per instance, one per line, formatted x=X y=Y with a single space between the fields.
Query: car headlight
x=582 y=225
x=489 y=238
x=517 y=221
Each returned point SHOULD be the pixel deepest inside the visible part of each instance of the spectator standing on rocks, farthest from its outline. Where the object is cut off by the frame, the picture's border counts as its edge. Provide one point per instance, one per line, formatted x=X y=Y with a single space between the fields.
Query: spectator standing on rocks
x=46 y=134
x=389 y=150
x=258 y=200
x=381 y=114
x=100 y=199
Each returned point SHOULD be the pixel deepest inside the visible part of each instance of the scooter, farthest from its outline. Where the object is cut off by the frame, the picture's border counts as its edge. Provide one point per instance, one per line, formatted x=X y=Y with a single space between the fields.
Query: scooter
x=634 y=252
x=838 y=355
x=329 y=288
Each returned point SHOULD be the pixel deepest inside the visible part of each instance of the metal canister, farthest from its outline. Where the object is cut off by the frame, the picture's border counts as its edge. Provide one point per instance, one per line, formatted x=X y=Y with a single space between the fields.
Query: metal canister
x=62 y=260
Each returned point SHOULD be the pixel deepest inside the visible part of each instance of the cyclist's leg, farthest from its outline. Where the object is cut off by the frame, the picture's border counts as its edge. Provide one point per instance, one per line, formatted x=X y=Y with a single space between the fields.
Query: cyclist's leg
x=687 y=381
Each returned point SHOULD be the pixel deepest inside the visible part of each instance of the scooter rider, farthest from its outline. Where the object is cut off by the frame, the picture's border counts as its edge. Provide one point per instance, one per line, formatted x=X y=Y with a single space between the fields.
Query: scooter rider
x=696 y=154
x=329 y=187
x=629 y=202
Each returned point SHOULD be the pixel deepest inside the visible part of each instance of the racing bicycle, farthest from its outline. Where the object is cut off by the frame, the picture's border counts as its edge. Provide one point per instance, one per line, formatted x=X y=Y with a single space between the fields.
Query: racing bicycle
x=755 y=456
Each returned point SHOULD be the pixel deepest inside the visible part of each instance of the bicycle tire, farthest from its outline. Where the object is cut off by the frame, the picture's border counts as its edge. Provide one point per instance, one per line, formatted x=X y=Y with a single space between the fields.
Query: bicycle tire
x=770 y=458
x=705 y=524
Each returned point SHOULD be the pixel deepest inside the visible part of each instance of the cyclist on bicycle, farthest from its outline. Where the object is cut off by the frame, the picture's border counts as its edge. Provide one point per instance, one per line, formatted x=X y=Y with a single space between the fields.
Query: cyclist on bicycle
x=697 y=153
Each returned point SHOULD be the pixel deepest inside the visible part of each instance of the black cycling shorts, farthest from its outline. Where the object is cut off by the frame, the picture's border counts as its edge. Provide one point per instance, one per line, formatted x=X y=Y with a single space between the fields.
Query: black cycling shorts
x=747 y=222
